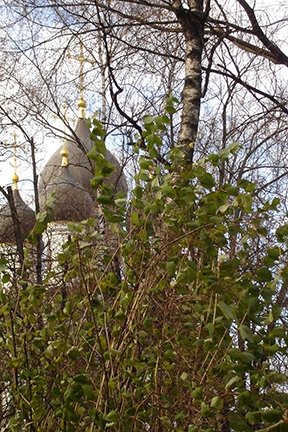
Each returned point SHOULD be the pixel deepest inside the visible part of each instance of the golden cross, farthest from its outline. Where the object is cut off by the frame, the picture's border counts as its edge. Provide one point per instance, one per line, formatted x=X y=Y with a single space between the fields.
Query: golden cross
x=64 y=152
x=15 y=177
x=80 y=86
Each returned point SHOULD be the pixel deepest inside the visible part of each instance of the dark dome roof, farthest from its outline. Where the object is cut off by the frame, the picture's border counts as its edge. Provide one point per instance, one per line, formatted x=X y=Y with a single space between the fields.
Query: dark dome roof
x=74 y=203
x=26 y=217
x=80 y=166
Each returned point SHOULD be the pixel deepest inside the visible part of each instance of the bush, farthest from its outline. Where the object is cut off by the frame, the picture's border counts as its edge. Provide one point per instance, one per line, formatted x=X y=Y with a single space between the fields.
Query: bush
x=175 y=326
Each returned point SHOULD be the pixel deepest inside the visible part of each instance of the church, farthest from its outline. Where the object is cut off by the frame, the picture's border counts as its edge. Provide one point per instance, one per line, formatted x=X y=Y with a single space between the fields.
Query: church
x=67 y=175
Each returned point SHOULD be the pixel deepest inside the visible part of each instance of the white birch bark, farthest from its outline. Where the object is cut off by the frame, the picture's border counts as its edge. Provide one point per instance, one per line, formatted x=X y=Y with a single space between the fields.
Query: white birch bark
x=192 y=21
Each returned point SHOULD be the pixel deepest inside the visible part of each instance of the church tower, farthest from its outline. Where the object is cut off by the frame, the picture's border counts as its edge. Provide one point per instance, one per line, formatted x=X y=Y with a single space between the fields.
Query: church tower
x=80 y=167
x=68 y=174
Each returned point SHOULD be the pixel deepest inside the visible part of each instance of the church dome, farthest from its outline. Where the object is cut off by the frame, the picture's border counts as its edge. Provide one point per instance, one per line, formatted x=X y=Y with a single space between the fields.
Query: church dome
x=80 y=167
x=26 y=217
x=72 y=201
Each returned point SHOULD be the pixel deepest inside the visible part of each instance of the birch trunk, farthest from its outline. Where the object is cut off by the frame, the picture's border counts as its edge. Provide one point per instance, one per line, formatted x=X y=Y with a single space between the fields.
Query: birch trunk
x=192 y=21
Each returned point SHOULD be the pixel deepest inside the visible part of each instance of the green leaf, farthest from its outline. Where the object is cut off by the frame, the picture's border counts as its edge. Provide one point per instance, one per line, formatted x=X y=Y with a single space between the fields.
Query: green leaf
x=169 y=354
x=80 y=379
x=226 y=310
x=171 y=267
x=223 y=208
x=93 y=155
x=181 y=416
x=98 y=130
x=254 y=417
x=112 y=416
x=114 y=352
x=41 y=216
x=138 y=192
x=120 y=316
x=248 y=357
x=97 y=181
x=168 y=191
x=246 y=201
x=275 y=203
x=170 y=109
x=115 y=219
x=245 y=238
x=88 y=391
x=263 y=274
x=148 y=119
x=88 y=123
x=246 y=185
x=278 y=332
x=32 y=319
x=74 y=353
x=224 y=153
x=3 y=298
x=272 y=415
x=145 y=164
x=233 y=382
x=184 y=376
x=153 y=153
x=205 y=410
x=277 y=378
x=105 y=200
x=253 y=305
x=165 y=421
x=14 y=362
x=232 y=190
x=238 y=424
x=51 y=200
x=207 y=181
x=246 y=333
x=269 y=262
x=197 y=393
x=217 y=403
x=40 y=227
x=273 y=252
x=99 y=145
x=96 y=122
x=153 y=139
x=234 y=147
x=3 y=263
x=6 y=278
x=172 y=99
x=68 y=308
x=106 y=168
x=120 y=202
x=147 y=323
x=162 y=119
x=144 y=334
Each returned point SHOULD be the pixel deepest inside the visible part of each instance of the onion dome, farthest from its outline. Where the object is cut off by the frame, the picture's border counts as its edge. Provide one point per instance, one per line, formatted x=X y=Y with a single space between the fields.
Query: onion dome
x=72 y=201
x=80 y=167
x=26 y=217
